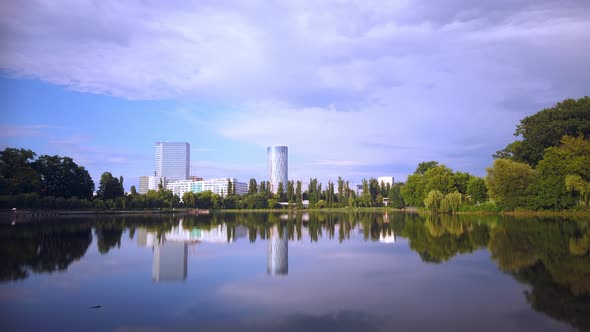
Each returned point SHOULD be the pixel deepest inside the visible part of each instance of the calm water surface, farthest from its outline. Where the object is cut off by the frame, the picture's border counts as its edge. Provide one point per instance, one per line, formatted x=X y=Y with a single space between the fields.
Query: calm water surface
x=298 y=272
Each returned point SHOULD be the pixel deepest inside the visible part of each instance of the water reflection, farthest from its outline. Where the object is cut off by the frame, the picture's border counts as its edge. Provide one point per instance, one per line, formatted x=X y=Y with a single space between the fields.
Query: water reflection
x=170 y=249
x=278 y=252
x=550 y=255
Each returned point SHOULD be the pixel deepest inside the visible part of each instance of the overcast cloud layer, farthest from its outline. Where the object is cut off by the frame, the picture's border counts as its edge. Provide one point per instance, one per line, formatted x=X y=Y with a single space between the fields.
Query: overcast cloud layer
x=353 y=87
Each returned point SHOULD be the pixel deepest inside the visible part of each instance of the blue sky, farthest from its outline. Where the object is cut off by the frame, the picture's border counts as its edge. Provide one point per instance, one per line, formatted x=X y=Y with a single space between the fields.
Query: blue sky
x=354 y=88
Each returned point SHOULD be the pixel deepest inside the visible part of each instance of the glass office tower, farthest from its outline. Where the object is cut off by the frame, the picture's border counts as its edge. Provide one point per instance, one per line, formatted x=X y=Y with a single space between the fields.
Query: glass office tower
x=173 y=160
x=277 y=160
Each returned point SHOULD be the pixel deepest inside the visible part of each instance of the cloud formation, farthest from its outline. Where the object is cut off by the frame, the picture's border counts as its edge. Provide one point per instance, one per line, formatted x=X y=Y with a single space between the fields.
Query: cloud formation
x=342 y=82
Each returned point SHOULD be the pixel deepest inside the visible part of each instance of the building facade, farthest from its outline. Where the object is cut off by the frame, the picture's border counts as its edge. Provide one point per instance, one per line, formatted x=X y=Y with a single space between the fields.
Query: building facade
x=150 y=183
x=173 y=160
x=278 y=165
x=217 y=186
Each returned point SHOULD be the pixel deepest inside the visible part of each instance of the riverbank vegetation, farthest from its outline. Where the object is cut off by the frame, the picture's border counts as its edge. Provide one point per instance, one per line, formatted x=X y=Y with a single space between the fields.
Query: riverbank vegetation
x=547 y=169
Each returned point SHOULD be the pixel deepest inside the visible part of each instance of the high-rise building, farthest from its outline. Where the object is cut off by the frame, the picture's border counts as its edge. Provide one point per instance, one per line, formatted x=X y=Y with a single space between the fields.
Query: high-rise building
x=278 y=165
x=173 y=160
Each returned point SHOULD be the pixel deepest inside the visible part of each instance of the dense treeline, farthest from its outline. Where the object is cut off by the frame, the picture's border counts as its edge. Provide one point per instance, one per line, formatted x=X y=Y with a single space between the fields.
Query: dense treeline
x=549 y=169
x=53 y=182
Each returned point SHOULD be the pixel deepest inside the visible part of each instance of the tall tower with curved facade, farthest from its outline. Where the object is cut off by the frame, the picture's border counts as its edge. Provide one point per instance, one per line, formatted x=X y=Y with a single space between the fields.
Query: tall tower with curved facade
x=278 y=164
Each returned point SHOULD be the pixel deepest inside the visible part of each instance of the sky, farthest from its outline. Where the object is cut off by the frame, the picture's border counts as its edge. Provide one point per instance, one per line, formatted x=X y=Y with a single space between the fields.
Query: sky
x=356 y=89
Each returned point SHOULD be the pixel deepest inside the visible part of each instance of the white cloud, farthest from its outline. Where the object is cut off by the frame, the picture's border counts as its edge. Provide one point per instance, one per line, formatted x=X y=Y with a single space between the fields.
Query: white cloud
x=337 y=81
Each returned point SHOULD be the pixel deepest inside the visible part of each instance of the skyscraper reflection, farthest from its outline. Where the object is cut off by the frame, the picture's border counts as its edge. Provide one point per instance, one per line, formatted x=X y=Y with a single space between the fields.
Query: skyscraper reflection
x=277 y=258
x=171 y=248
x=170 y=261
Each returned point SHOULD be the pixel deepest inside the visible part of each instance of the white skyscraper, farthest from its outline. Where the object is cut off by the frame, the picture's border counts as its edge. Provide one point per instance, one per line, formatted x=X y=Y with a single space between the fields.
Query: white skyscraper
x=173 y=160
x=278 y=165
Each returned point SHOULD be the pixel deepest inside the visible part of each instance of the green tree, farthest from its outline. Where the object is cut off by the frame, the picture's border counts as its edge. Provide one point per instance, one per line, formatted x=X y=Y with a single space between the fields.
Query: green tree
x=477 y=190
x=62 y=177
x=395 y=197
x=298 y=194
x=425 y=166
x=281 y=192
x=16 y=172
x=133 y=191
x=110 y=187
x=433 y=200
x=290 y=191
x=189 y=199
x=509 y=183
x=252 y=187
x=546 y=128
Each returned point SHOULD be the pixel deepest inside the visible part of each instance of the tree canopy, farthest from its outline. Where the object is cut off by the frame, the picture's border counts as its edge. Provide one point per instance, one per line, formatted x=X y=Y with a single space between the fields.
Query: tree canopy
x=546 y=128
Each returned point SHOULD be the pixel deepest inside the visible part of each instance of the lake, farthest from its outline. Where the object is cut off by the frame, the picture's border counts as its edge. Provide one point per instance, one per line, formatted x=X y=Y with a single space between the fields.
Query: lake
x=295 y=272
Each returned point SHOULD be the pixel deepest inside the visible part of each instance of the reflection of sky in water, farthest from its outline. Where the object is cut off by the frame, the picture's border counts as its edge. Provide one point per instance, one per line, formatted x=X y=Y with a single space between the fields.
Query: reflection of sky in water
x=355 y=285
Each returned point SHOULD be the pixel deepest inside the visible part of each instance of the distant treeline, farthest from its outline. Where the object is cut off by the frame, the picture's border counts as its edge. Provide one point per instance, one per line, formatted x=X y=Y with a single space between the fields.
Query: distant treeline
x=547 y=169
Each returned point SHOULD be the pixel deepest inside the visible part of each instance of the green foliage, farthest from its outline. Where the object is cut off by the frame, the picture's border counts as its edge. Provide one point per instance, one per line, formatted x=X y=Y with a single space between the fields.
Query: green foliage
x=425 y=166
x=433 y=200
x=16 y=172
x=509 y=183
x=477 y=190
x=451 y=202
x=546 y=128
x=395 y=196
x=110 y=187
x=62 y=177
x=436 y=177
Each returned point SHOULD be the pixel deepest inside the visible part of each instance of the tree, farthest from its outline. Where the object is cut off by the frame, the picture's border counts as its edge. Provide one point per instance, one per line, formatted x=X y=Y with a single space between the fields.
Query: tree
x=298 y=196
x=16 y=172
x=395 y=197
x=133 y=191
x=574 y=182
x=570 y=158
x=281 y=192
x=461 y=180
x=290 y=191
x=425 y=166
x=451 y=202
x=110 y=187
x=477 y=190
x=546 y=128
x=252 y=187
x=189 y=199
x=230 y=190
x=508 y=183
x=433 y=200
x=62 y=177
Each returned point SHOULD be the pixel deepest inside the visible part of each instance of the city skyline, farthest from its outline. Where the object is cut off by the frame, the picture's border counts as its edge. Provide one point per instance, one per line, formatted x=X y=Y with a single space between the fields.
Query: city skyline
x=371 y=88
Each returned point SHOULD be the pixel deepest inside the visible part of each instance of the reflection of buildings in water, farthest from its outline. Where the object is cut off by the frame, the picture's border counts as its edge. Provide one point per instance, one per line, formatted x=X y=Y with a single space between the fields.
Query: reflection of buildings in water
x=171 y=250
x=389 y=238
x=277 y=257
x=170 y=261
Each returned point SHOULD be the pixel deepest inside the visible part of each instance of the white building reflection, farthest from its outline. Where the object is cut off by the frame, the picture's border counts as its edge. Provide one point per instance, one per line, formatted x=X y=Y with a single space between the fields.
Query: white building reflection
x=171 y=248
x=277 y=256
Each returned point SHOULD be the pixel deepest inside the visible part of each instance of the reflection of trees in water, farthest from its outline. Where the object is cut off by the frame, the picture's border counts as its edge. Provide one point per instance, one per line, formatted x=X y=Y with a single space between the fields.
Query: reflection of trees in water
x=553 y=298
x=441 y=237
x=549 y=254
x=41 y=252
x=538 y=252
x=107 y=238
